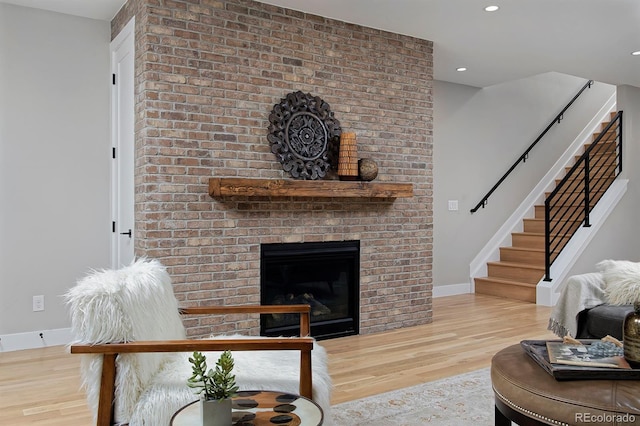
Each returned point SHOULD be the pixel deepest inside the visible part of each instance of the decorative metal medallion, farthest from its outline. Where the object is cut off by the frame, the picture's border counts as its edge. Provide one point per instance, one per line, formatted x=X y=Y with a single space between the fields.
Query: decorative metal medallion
x=304 y=135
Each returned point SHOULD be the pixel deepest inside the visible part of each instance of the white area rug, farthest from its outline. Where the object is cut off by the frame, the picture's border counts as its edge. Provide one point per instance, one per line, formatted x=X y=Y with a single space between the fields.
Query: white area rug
x=466 y=399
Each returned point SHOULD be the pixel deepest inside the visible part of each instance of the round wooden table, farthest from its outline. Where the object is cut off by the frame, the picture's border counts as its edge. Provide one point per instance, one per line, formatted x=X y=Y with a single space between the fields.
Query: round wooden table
x=260 y=408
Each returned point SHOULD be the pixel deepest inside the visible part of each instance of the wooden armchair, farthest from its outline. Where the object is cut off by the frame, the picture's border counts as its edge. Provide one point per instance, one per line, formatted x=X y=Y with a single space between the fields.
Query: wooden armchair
x=133 y=376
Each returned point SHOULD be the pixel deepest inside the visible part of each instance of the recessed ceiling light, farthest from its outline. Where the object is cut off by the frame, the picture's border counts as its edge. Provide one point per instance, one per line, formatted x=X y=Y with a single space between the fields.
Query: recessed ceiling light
x=461 y=69
x=491 y=8
x=636 y=53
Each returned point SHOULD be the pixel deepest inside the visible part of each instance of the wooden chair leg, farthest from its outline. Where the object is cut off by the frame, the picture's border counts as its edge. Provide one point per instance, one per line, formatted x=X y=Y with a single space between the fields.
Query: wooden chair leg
x=306 y=382
x=107 y=391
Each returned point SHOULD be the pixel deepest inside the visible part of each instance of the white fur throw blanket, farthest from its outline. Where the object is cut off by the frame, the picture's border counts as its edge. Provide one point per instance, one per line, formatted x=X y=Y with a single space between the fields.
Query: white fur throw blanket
x=129 y=304
x=137 y=303
x=580 y=292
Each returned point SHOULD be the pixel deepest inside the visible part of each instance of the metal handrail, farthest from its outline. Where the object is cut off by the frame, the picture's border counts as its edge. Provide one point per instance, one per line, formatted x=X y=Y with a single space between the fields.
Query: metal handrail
x=580 y=193
x=525 y=155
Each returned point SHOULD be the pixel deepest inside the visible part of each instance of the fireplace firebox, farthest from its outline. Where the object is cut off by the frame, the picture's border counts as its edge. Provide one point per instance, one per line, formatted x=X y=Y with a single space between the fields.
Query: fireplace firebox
x=325 y=275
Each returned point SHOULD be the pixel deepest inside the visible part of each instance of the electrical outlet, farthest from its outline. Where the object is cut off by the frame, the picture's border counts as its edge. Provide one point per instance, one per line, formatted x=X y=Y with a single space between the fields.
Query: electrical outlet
x=38 y=303
x=453 y=205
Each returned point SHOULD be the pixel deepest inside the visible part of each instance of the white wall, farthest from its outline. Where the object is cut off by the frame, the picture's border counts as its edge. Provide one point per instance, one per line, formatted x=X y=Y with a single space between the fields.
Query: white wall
x=54 y=162
x=478 y=134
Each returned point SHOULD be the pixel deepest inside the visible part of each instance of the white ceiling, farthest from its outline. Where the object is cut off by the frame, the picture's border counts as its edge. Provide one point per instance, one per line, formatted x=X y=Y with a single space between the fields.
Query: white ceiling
x=104 y=10
x=587 y=38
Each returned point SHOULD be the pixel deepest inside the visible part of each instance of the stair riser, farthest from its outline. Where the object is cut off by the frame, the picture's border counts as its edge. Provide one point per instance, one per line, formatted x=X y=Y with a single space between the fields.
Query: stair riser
x=578 y=181
x=576 y=198
x=600 y=163
x=484 y=286
x=567 y=212
x=530 y=241
x=533 y=225
x=609 y=143
x=597 y=168
x=560 y=211
x=538 y=226
x=533 y=257
x=609 y=136
x=508 y=254
x=525 y=275
x=566 y=228
x=604 y=149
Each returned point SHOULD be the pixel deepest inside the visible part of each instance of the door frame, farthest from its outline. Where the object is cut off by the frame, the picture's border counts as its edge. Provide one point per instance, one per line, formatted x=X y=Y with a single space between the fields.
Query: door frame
x=122 y=208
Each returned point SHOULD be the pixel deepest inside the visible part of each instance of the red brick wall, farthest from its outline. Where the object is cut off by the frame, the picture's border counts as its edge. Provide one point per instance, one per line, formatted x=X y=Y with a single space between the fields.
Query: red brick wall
x=208 y=75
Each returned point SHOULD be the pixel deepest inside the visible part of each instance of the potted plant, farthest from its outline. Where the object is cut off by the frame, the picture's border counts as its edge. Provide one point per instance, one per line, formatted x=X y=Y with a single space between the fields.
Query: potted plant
x=216 y=388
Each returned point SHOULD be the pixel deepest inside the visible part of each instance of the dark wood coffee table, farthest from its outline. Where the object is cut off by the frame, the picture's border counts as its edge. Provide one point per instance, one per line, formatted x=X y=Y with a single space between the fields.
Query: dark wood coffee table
x=528 y=395
x=260 y=408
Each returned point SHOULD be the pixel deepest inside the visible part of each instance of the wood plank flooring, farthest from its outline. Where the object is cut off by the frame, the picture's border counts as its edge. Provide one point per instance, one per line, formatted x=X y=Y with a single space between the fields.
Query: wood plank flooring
x=42 y=386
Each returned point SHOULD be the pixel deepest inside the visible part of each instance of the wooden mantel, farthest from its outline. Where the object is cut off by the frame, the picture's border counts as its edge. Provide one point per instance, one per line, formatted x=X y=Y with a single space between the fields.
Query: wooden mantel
x=223 y=187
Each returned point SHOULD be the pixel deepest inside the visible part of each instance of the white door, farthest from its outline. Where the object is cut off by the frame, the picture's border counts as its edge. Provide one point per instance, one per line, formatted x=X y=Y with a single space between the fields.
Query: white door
x=123 y=147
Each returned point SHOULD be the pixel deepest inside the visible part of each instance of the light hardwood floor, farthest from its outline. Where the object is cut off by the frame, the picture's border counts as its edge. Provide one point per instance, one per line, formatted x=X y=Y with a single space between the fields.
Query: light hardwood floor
x=41 y=386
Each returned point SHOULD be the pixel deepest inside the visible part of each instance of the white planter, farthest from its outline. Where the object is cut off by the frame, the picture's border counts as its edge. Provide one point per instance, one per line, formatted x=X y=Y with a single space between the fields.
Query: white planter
x=215 y=412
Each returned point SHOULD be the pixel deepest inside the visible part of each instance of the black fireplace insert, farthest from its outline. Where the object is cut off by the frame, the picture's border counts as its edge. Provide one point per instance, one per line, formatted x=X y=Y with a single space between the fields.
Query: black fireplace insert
x=325 y=275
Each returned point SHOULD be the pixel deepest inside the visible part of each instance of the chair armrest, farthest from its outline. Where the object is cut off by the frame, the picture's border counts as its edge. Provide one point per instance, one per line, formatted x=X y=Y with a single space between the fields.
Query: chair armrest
x=109 y=351
x=244 y=309
x=271 y=343
x=303 y=310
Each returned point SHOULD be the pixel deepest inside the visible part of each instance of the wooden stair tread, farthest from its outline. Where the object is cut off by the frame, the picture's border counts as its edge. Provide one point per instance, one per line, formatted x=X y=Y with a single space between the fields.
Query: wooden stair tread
x=564 y=206
x=523 y=249
x=516 y=265
x=505 y=281
x=605 y=174
x=540 y=219
x=577 y=217
x=539 y=234
x=580 y=193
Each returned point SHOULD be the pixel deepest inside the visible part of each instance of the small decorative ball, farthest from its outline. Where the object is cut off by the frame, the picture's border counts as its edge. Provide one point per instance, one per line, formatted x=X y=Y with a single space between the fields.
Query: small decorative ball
x=367 y=169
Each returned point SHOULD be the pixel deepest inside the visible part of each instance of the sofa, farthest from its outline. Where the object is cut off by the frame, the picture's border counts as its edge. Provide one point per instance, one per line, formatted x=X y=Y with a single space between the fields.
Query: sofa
x=594 y=305
x=602 y=320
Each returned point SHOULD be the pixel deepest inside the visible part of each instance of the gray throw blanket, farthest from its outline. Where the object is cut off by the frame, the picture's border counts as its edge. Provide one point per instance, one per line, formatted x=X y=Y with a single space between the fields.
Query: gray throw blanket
x=580 y=292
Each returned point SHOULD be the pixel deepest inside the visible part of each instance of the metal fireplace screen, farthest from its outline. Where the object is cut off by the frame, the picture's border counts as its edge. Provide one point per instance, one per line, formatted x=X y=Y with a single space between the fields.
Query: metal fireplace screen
x=325 y=275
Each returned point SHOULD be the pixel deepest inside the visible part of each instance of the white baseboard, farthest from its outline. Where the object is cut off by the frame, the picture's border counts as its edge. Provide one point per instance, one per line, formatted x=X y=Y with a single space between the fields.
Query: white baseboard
x=34 y=340
x=451 y=290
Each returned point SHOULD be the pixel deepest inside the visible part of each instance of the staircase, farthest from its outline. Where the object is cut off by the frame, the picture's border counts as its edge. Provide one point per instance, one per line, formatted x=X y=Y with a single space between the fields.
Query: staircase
x=522 y=265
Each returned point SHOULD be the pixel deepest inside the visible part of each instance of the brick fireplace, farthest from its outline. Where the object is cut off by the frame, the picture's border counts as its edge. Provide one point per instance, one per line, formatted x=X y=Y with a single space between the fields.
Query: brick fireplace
x=208 y=73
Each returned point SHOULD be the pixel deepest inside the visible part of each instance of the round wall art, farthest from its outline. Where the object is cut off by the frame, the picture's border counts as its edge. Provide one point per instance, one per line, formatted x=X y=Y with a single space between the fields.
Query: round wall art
x=304 y=135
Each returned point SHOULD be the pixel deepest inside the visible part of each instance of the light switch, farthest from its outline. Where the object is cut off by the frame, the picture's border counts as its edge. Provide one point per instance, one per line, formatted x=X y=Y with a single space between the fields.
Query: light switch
x=38 y=303
x=453 y=205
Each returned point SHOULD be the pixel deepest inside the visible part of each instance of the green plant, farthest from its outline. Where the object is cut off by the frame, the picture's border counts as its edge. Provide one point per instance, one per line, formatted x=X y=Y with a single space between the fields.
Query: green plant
x=215 y=384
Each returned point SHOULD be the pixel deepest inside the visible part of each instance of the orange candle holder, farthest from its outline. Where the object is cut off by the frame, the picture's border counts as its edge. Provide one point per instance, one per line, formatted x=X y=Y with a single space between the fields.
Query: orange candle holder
x=348 y=157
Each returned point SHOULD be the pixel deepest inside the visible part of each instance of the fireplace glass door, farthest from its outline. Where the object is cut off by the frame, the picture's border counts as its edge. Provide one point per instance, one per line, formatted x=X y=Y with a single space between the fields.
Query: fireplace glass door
x=325 y=275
